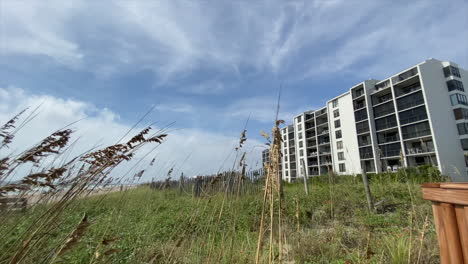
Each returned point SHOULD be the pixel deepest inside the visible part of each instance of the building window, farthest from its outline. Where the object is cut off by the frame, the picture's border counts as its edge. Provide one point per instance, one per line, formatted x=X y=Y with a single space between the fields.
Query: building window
x=299 y=127
x=338 y=134
x=460 y=113
x=342 y=167
x=286 y=173
x=301 y=152
x=462 y=128
x=458 y=99
x=300 y=135
x=335 y=103
x=336 y=113
x=455 y=85
x=339 y=145
x=451 y=71
x=299 y=118
x=464 y=143
x=301 y=144
x=341 y=156
x=337 y=123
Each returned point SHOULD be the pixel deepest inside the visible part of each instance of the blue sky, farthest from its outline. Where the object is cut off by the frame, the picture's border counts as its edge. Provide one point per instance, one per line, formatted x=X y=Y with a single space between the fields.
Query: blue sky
x=209 y=65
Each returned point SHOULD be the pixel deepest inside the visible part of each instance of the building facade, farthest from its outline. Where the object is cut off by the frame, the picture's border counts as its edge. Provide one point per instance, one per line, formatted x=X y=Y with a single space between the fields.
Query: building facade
x=418 y=116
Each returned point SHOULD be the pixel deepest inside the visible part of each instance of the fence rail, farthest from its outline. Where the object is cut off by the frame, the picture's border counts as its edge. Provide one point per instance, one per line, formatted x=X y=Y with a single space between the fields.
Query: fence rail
x=450 y=207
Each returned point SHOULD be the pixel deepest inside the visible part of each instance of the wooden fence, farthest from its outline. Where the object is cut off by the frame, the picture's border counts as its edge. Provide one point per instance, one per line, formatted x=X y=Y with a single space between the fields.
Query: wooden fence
x=450 y=207
x=232 y=183
x=13 y=204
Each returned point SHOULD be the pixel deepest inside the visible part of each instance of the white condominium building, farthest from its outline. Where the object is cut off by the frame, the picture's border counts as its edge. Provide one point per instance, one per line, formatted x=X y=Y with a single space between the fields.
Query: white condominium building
x=418 y=116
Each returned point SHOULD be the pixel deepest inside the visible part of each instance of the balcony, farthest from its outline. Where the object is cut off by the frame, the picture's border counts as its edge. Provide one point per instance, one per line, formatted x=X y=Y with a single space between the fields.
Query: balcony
x=382 y=99
x=415 y=151
x=416 y=134
x=390 y=153
x=324 y=142
x=324 y=132
x=360 y=115
x=388 y=139
x=405 y=75
x=362 y=128
x=358 y=93
x=366 y=155
x=413 y=119
x=386 y=125
x=408 y=89
x=359 y=104
x=325 y=162
x=410 y=101
x=382 y=85
x=363 y=143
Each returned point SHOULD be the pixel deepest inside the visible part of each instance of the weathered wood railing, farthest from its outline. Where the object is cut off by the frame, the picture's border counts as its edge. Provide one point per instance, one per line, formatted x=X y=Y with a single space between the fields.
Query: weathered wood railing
x=13 y=204
x=450 y=207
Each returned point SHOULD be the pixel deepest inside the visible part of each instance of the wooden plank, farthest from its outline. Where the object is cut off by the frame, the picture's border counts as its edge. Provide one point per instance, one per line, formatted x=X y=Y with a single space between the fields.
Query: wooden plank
x=430 y=185
x=462 y=221
x=441 y=233
x=449 y=220
x=446 y=195
x=451 y=185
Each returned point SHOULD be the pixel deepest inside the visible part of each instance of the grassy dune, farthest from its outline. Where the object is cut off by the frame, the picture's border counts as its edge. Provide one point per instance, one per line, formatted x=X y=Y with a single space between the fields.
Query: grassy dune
x=330 y=225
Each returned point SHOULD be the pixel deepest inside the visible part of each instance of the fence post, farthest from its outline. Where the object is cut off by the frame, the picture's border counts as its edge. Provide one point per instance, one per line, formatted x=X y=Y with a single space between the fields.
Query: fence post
x=365 y=181
x=305 y=172
x=197 y=186
x=181 y=182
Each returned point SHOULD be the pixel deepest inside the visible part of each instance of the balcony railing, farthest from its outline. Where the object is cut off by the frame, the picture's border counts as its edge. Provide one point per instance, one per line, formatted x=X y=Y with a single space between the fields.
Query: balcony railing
x=366 y=155
x=410 y=104
x=364 y=142
x=359 y=105
x=391 y=153
x=358 y=93
x=383 y=112
x=382 y=85
x=413 y=119
x=415 y=134
x=362 y=129
x=408 y=90
x=361 y=117
x=388 y=139
x=383 y=99
x=386 y=125
x=410 y=151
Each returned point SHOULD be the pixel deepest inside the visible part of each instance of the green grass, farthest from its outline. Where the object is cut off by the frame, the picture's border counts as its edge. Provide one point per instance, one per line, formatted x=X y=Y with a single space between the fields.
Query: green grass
x=330 y=225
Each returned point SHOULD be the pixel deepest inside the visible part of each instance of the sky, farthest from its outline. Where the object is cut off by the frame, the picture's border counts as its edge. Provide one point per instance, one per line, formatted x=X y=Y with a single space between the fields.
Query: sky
x=207 y=68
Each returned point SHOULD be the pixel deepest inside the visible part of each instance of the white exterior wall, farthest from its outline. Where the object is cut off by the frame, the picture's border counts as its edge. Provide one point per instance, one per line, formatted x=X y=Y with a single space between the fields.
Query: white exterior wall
x=349 y=136
x=300 y=140
x=440 y=111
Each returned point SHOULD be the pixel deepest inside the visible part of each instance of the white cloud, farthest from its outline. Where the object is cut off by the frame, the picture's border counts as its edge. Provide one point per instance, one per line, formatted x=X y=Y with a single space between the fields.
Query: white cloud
x=175 y=107
x=204 y=88
x=295 y=39
x=208 y=152
x=38 y=28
